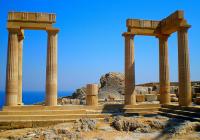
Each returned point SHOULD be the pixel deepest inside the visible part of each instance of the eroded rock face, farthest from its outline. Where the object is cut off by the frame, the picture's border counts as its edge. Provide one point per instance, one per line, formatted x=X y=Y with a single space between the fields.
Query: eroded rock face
x=79 y=93
x=111 y=86
x=143 y=90
x=68 y=134
x=177 y=127
x=137 y=125
x=168 y=128
x=85 y=125
x=65 y=101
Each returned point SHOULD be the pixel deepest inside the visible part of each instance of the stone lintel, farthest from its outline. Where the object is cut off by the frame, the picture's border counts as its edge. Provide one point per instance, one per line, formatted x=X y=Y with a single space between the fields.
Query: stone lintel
x=142 y=27
x=173 y=27
x=145 y=31
x=32 y=21
x=13 y=29
x=137 y=23
x=168 y=25
x=29 y=25
x=173 y=22
x=177 y=15
x=163 y=36
x=31 y=17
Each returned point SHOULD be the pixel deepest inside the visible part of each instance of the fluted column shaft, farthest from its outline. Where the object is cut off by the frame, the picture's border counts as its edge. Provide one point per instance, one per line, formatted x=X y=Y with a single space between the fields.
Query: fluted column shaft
x=130 y=97
x=12 y=68
x=51 y=69
x=184 y=68
x=20 y=56
x=164 y=70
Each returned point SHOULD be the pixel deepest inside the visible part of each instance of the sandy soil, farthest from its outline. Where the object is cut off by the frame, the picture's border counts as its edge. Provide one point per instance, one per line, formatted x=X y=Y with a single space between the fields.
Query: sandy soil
x=103 y=132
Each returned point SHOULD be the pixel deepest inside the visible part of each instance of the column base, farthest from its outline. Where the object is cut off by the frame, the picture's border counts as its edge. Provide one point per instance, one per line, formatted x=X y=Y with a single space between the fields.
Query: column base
x=130 y=99
x=20 y=104
x=165 y=98
x=185 y=102
x=51 y=100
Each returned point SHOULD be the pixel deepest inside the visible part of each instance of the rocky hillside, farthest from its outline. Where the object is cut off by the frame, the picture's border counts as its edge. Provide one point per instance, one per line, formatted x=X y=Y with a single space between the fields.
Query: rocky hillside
x=112 y=84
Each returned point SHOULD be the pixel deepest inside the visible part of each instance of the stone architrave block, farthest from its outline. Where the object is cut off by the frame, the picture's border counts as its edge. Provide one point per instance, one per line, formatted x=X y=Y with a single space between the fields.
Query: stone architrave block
x=150 y=97
x=140 y=98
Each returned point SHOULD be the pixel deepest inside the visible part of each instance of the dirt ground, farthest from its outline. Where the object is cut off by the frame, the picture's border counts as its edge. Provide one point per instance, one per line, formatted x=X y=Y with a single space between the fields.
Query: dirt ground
x=103 y=131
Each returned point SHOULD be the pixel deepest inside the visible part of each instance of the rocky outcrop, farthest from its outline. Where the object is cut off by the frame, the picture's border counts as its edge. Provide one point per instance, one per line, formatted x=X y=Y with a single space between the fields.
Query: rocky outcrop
x=138 y=124
x=65 y=101
x=112 y=85
x=176 y=127
x=79 y=93
x=85 y=125
x=93 y=129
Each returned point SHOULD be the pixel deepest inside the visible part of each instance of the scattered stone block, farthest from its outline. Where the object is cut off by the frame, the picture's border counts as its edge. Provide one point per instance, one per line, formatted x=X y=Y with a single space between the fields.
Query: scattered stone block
x=172 y=95
x=140 y=98
x=150 y=97
x=111 y=98
x=158 y=97
x=21 y=124
x=75 y=101
x=65 y=101
x=197 y=100
x=153 y=92
x=174 y=99
x=5 y=125
x=197 y=94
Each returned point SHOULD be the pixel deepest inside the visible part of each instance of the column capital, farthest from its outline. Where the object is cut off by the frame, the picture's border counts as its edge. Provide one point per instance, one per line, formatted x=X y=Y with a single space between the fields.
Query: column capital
x=184 y=28
x=52 y=30
x=13 y=30
x=128 y=34
x=163 y=36
x=21 y=35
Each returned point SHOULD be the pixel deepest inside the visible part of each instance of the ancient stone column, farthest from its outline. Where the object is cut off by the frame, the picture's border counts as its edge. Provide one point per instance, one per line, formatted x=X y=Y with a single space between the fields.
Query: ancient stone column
x=130 y=96
x=185 y=96
x=51 y=69
x=12 y=68
x=164 y=70
x=20 y=54
x=92 y=95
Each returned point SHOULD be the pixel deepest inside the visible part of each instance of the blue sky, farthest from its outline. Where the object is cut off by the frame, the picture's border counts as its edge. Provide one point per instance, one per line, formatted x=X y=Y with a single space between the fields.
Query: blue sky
x=90 y=42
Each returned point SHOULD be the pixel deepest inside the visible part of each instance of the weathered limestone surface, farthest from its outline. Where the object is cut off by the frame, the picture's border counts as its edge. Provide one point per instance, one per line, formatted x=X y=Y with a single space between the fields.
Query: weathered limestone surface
x=51 y=71
x=164 y=70
x=162 y=29
x=142 y=27
x=184 y=68
x=111 y=84
x=12 y=69
x=92 y=95
x=17 y=22
x=150 y=97
x=20 y=56
x=130 y=98
x=140 y=98
x=29 y=20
